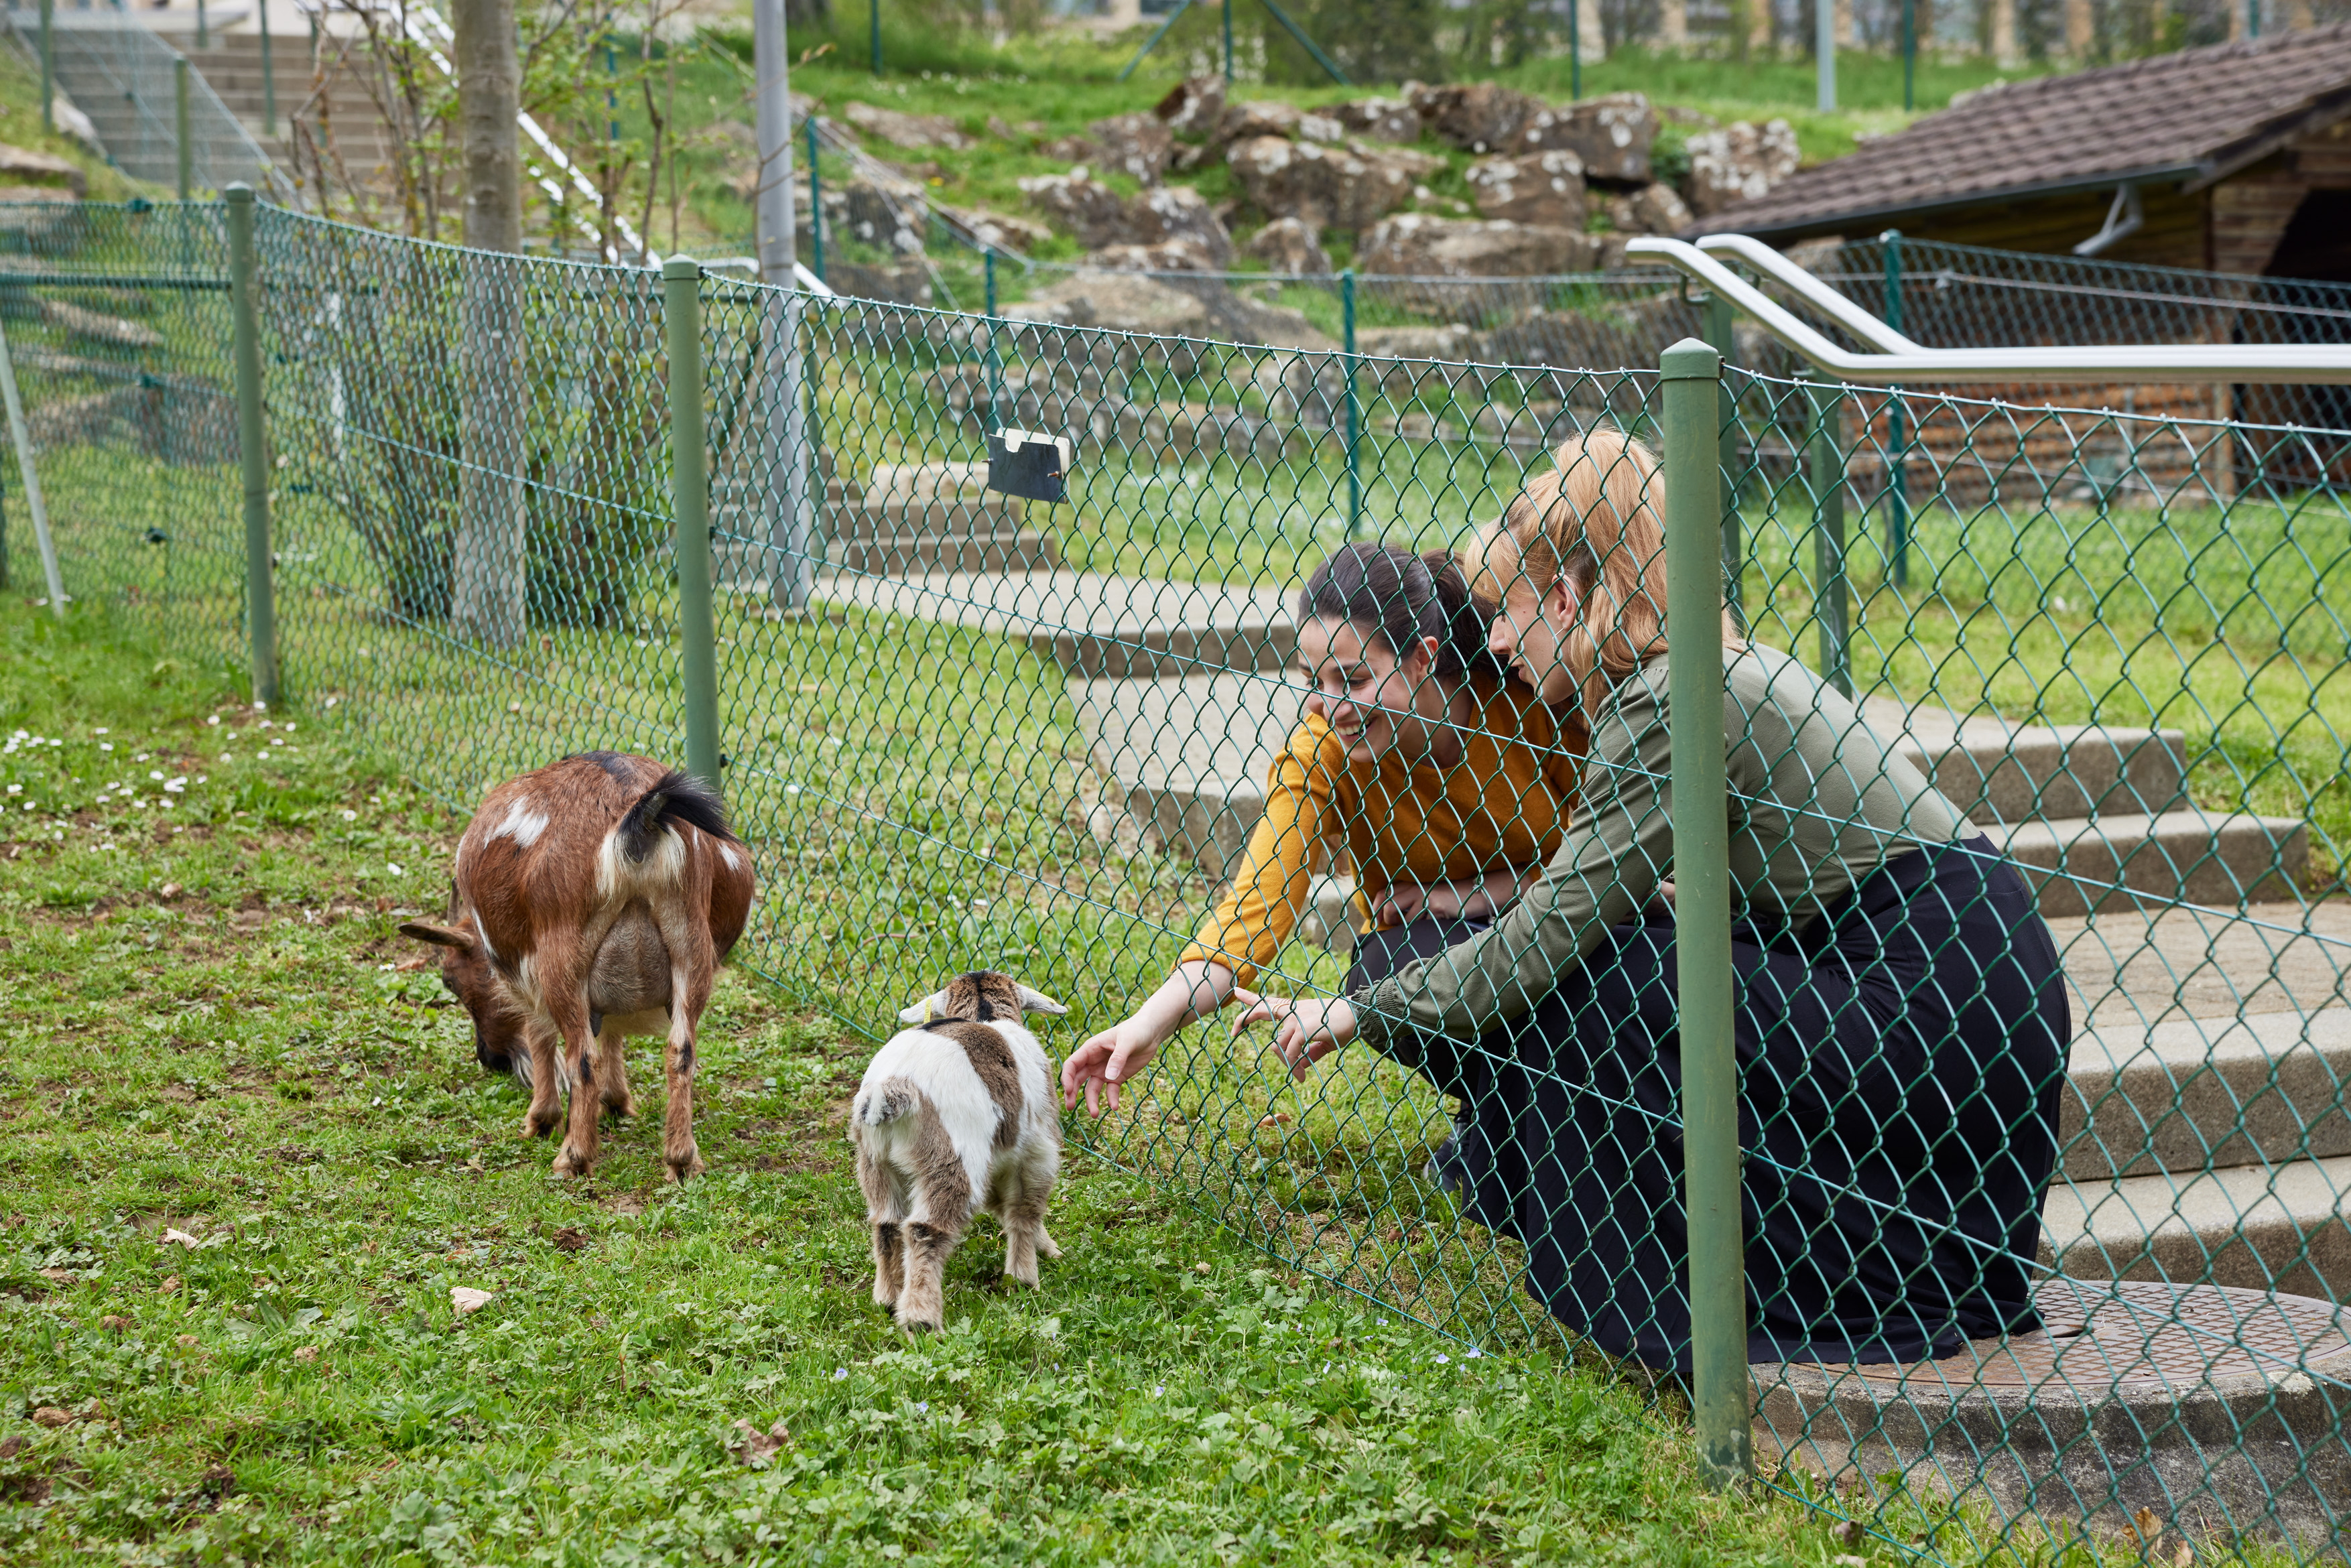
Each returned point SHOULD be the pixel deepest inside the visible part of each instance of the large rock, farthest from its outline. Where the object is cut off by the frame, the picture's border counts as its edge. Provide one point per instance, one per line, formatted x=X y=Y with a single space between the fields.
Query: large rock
x=1476 y=117
x=1612 y=134
x=886 y=212
x=1269 y=116
x=24 y=166
x=1179 y=214
x=1380 y=119
x=1537 y=188
x=112 y=331
x=906 y=129
x=1739 y=163
x=1134 y=144
x=1288 y=244
x=899 y=283
x=1417 y=245
x=1326 y=187
x=1655 y=209
x=999 y=229
x=1165 y=256
x=1085 y=206
x=1192 y=107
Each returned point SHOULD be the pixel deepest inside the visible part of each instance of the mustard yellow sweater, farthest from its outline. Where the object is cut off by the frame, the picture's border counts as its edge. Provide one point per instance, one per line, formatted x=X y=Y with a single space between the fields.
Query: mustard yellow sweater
x=1505 y=805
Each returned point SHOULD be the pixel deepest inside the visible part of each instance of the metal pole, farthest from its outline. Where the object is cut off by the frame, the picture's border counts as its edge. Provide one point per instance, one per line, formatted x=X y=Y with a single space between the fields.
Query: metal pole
x=1824 y=54
x=1721 y=333
x=2253 y=18
x=995 y=357
x=180 y=124
x=1229 y=43
x=816 y=208
x=791 y=457
x=1153 y=42
x=24 y=440
x=877 y=37
x=48 y=67
x=1689 y=374
x=1575 y=49
x=245 y=283
x=268 y=77
x=1826 y=473
x=204 y=35
x=1897 y=466
x=1354 y=411
x=688 y=463
x=1909 y=54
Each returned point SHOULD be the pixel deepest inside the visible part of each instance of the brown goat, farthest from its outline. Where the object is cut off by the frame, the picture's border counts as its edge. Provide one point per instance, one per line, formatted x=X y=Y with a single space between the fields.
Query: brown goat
x=595 y=898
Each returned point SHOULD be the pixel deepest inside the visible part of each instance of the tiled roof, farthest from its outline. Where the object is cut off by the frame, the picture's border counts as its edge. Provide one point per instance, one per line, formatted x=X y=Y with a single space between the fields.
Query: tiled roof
x=2193 y=116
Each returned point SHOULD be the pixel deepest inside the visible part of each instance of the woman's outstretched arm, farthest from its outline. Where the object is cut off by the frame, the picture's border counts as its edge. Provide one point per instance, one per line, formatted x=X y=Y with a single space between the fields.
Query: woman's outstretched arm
x=1104 y=1064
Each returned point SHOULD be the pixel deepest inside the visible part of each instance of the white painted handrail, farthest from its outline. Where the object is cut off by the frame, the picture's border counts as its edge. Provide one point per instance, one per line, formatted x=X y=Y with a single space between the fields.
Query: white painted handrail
x=1910 y=364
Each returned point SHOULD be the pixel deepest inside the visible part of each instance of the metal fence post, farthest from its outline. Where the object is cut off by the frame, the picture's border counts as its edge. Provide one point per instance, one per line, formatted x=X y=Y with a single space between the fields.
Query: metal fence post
x=877 y=35
x=1897 y=465
x=22 y=436
x=994 y=356
x=49 y=67
x=1354 y=409
x=1824 y=469
x=180 y=124
x=1575 y=49
x=690 y=480
x=268 y=76
x=204 y=32
x=1689 y=374
x=244 y=286
x=816 y=209
x=1722 y=333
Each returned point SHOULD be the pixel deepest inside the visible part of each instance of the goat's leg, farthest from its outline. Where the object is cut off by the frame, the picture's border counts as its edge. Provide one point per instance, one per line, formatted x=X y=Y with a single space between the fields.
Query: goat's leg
x=883 y=1215
x=1022 y=1216
x=612 y=1071
x=929 y=1243
x=690 y=993
x=544 y=1079
x=580 y=1138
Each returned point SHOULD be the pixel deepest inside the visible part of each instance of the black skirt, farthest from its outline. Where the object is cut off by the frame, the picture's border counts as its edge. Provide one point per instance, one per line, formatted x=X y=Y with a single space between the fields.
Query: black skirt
x=1900 y=1062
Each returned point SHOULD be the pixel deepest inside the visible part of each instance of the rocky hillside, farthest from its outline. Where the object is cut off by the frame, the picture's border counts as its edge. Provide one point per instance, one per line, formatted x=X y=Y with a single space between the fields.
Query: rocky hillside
x=1465 y=179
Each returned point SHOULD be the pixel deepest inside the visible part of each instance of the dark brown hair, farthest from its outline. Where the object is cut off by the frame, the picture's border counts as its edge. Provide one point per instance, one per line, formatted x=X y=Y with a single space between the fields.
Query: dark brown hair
x=1401 y=598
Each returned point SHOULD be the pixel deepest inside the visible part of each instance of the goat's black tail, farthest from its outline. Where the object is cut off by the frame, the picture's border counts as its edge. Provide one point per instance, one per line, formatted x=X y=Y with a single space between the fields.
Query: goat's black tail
x=679 y=797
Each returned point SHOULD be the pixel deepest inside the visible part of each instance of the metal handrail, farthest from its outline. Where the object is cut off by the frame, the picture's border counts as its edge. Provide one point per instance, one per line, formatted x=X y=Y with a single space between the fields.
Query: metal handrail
x=1900 y=361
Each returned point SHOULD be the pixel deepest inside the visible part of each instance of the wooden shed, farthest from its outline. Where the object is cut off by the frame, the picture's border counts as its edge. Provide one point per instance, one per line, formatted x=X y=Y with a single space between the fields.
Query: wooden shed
x=2235 y=158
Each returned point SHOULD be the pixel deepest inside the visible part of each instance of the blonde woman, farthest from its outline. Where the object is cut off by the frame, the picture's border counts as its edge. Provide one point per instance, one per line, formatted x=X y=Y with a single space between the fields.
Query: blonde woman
x=1448 y=783
x=1901 y=1018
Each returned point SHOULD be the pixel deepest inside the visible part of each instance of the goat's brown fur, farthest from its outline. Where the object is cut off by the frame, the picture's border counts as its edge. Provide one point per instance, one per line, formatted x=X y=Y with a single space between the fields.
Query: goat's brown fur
x=595 y=898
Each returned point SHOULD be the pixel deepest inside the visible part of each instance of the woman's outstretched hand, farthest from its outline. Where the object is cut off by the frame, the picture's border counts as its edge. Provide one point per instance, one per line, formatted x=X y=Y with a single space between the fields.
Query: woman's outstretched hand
x=1305 y=1030
x=1103 y=1063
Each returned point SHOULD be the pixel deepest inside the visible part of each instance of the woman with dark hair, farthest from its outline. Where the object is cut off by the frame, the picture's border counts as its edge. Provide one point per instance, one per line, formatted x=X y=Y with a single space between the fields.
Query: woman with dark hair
x=1900 y=1016
x=1446 y=782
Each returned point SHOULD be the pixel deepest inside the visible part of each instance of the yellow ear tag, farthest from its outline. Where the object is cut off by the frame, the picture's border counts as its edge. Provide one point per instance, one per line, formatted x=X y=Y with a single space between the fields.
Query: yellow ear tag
x=926 y=1010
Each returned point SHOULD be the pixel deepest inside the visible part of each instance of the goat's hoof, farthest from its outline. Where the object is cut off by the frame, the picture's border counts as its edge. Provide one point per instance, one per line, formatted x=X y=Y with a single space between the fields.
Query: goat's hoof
x=883 y=1296
x=916 y=1328
x=571 y=1162
x=1045 y=1246
x=691 y=1166
x=618 y=1108
x=532 y=1127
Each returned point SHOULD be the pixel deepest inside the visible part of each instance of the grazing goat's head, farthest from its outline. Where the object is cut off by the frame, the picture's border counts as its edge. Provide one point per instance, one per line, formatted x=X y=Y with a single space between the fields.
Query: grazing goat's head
x=499 y=1042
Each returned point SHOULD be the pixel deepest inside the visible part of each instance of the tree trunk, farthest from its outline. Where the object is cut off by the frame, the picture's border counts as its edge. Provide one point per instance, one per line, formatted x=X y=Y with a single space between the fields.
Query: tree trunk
x=490 y=573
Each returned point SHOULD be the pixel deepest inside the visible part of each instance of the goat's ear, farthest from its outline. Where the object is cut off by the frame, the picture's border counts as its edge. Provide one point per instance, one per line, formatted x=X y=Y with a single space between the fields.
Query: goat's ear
x=925 y=1011
x=439 y=936
x=1038 y=1002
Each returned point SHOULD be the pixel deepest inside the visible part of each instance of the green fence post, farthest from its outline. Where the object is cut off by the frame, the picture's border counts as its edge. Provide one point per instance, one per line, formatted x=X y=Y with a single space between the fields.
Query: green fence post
x=180 y=124
x=1909 y=54
x=252 y=440
x=1689 y=375
x=1575 y=49
x=995 y=357
x=1229 y=43
x=268 y=77
x=816 y=208
x=875 y=40
x=690 y=476
x=49 y=67
x=1721 y=334
x=1824 y=468
x=1354 y=409
x=1897 y=466
x=204 y=32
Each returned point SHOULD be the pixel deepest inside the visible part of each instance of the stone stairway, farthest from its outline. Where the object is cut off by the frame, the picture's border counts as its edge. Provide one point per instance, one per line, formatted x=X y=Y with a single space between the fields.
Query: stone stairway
x=909 y=523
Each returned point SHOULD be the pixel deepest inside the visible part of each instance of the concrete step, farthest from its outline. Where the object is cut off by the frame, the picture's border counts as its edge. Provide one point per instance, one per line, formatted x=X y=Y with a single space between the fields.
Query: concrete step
x=1189 y=756
x=2222 y=1092
x=1996 y=771
x=901 y=555
x=2260 y=1227
x=2087 y=864
x=1099 y=626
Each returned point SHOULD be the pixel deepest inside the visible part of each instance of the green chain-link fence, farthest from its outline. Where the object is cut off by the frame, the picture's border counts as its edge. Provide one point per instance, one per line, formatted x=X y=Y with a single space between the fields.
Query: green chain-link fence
x=2019 y=985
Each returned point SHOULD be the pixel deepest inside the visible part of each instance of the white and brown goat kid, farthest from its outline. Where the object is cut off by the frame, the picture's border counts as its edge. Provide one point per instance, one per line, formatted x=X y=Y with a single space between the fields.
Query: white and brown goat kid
x=956 y=1116
x=595 y=898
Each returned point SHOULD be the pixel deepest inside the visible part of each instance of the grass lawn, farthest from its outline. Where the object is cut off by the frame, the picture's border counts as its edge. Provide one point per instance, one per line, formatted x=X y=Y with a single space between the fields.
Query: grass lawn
x=248 y=1154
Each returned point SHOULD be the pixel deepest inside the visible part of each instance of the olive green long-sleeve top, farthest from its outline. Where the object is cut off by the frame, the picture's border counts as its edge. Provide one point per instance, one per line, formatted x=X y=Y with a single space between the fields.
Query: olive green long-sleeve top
x=1818 y=801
